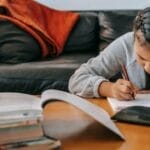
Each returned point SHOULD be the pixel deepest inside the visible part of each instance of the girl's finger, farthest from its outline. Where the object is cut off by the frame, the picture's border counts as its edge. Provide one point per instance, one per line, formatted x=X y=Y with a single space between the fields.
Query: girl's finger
x=124 y=96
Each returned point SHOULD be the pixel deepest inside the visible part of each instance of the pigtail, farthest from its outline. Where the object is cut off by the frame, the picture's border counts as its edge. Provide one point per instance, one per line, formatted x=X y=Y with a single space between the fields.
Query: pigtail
x=146 y=24
x=142 y=23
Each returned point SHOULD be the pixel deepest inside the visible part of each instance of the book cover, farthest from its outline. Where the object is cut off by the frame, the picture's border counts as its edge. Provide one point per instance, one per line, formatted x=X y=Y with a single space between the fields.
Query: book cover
x=43 y=143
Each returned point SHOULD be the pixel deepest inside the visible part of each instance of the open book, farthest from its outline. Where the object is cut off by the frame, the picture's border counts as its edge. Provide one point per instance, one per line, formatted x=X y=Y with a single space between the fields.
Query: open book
x=142 y=99
x=16 y=107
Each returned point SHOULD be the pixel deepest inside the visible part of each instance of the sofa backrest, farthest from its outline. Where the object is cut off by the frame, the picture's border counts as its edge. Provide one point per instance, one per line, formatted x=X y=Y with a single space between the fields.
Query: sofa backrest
x=99 y=28
x=113 y=24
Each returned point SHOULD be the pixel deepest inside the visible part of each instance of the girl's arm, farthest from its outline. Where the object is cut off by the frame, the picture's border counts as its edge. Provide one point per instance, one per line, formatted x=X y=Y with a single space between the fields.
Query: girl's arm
x=87 y=79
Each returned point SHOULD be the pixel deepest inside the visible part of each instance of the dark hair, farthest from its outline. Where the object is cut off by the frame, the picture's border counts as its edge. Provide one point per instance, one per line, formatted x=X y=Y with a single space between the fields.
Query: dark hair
x=142 y=23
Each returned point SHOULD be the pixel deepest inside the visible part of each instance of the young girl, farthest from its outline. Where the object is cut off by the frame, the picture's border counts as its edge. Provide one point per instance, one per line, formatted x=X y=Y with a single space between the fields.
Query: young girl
x=132 y=50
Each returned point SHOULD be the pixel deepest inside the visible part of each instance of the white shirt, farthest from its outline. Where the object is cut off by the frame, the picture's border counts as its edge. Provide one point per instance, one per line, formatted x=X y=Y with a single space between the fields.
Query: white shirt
x=87 y=78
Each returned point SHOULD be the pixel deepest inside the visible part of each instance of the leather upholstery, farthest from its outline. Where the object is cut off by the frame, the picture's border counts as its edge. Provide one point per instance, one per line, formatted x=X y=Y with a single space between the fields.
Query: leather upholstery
x=52 y=73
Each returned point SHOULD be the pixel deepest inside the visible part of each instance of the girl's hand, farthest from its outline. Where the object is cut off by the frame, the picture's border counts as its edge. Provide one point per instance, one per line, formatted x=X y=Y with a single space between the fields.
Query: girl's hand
x=123 y=90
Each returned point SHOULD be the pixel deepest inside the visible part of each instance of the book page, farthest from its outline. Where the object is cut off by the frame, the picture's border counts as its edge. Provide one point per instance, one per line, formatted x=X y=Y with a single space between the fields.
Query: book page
x=89 y=108
x=140 y=100
x=17 y=106
x=17 y=101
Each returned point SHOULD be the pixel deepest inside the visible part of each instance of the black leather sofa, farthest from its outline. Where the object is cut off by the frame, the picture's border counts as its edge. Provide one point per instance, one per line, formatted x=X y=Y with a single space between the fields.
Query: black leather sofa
x=92 y=33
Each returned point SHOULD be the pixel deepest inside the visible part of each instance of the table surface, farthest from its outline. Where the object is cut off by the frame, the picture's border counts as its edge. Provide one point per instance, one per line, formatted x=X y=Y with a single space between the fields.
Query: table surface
x=78 y=131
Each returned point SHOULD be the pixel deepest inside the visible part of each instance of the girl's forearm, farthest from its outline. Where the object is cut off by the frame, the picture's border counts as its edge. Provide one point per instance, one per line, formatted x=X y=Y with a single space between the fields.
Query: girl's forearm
x=105 y=89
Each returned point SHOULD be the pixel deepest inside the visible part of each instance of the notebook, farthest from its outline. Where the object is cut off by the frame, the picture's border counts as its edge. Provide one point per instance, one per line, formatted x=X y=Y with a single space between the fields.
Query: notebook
x=134 y=111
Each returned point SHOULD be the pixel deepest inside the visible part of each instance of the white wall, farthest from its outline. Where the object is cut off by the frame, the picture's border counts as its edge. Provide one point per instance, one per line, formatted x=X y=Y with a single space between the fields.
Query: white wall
x=96 y=4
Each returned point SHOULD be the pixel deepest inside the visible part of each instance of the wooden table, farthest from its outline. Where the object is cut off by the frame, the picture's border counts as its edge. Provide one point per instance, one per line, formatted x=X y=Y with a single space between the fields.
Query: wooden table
x=77 y=131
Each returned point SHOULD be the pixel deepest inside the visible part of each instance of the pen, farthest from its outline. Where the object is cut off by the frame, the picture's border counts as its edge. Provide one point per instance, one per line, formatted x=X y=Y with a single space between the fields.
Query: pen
x=126 y=77
x=143 y=91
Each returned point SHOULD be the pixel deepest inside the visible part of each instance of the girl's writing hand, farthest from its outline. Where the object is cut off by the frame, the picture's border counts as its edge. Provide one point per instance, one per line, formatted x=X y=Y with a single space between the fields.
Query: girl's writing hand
x=123 y=90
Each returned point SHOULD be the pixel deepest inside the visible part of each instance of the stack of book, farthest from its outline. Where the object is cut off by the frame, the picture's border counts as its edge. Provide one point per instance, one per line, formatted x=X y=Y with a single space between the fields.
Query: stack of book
x=21 y=123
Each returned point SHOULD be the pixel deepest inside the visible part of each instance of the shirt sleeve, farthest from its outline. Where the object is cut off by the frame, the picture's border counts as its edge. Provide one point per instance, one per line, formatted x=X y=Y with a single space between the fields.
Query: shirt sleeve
x=86 y=79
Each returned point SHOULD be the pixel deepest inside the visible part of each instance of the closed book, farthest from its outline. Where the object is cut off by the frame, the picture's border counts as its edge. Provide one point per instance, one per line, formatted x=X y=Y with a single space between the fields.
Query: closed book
x=41 y=143
x=20 y=133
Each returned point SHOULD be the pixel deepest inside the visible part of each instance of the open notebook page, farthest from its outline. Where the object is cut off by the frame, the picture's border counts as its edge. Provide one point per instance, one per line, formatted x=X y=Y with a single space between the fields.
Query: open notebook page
x=140 y=100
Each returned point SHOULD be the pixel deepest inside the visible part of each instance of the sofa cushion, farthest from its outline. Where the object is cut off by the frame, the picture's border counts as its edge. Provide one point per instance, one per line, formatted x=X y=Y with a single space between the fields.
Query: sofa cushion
x=16 y=45
x=113 y=24
x=85 y=34
x=35 y=77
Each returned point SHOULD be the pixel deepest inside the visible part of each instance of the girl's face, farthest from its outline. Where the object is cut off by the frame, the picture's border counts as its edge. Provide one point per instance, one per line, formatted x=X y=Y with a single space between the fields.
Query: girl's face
x=142 y=54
